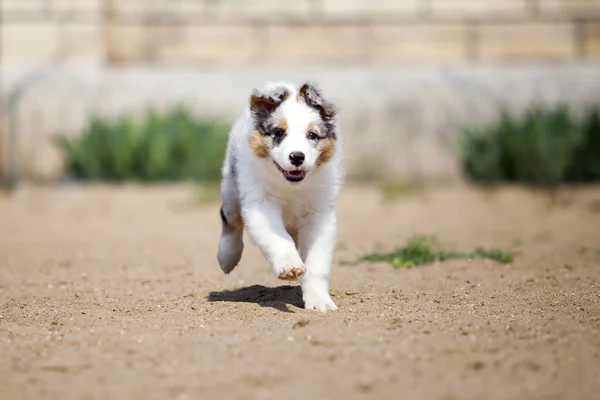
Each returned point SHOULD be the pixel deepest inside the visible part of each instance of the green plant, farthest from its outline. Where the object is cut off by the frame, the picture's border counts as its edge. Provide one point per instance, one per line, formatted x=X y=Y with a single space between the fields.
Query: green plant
x=482 y=156
x=543 y=147
x=420 y=250
x=167 y=147
x=585 y=164
x=393 y=190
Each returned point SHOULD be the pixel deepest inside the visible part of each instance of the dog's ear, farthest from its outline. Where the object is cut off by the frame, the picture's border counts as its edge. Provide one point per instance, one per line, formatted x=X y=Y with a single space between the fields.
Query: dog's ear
x=264 y=102
x=313 y=99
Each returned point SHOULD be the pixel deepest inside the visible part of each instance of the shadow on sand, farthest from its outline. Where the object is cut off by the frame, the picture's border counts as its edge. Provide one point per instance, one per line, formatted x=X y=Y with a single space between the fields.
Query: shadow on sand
x=278 y=298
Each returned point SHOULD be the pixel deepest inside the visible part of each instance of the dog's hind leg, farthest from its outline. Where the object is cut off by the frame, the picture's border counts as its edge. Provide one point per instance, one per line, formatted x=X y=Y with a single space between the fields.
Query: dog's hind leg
x=231 y=242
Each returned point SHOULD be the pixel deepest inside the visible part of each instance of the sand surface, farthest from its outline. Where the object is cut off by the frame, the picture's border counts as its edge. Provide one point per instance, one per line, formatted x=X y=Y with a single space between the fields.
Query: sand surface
x=115 y=293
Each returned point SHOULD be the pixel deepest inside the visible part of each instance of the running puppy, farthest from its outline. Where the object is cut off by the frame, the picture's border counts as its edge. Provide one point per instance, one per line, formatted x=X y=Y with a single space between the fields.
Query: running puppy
x=281 y=178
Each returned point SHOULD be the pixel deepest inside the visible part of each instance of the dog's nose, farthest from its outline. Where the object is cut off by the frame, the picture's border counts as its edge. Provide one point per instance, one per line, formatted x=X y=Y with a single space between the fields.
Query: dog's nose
x=297 y=158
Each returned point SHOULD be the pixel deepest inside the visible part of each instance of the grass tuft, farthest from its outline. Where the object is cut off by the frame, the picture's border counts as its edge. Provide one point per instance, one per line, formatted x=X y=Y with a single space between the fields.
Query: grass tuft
x=543 y=147
x=420 y=250
x=160 y=147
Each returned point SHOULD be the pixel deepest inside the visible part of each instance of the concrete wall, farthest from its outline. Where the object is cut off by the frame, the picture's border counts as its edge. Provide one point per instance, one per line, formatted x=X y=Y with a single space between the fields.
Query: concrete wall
x=248 y=31
x=405 y=72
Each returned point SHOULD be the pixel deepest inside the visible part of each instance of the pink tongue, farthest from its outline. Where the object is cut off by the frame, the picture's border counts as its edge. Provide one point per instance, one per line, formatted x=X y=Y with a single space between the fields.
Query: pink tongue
x=295 y=173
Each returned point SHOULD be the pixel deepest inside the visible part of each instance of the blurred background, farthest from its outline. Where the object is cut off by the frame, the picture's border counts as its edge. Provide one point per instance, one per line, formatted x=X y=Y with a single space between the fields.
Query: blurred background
x=113 y=290
x=143 y=89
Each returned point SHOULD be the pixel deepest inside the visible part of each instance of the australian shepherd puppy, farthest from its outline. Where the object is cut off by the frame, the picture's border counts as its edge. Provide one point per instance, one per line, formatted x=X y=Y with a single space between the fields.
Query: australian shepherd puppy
x=281 y=178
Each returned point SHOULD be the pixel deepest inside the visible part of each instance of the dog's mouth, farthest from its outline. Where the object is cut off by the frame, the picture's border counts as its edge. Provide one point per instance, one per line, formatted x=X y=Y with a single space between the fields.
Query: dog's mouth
x=291 y=176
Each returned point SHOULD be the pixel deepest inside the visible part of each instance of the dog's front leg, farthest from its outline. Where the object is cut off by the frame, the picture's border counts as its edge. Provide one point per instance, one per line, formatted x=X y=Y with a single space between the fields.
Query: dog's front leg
x=317 y=243
x=263 y=220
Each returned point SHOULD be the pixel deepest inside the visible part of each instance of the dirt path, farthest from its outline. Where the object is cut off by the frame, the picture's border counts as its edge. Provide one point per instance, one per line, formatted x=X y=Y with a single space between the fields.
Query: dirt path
x=116 y=294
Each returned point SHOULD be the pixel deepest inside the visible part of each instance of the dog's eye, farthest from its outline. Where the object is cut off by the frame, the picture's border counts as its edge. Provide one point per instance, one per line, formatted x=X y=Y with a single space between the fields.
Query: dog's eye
x=313 y=136
x=278 y=132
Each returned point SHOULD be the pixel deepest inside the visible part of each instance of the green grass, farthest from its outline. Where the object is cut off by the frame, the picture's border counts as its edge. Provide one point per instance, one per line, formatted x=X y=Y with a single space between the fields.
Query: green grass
x=392 y=191
x=420 y=250
x=543 y=147
x=160 y=147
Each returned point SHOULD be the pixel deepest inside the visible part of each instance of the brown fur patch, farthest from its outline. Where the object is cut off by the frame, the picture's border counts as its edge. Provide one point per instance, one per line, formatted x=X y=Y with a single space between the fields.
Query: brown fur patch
x=314 y=99
x=231 y=221
x=260 y=103
x=326 y=151
x=294 y=234
x=283 y=125
x=259 y=145
x=233 y=226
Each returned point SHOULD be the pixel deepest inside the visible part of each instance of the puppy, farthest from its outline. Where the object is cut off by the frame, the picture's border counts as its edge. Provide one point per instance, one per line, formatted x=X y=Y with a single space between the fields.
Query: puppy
x=281 y=178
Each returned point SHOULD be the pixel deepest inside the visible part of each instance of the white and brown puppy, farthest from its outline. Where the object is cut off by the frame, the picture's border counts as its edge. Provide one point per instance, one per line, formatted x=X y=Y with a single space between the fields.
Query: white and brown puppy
x=281 y=178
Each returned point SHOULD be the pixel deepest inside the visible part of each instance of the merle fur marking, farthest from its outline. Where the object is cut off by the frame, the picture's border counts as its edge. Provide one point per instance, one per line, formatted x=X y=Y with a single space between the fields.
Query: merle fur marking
x=262 y=107
x=223 y=217
x=327 y=110
x=233 y=165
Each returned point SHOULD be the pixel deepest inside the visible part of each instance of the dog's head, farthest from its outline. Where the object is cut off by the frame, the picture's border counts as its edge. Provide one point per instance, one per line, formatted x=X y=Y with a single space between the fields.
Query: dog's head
x=295 y=129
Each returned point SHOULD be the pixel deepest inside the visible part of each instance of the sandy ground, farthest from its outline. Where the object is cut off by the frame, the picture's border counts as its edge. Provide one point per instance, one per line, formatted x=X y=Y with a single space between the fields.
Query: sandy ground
x=115 y=293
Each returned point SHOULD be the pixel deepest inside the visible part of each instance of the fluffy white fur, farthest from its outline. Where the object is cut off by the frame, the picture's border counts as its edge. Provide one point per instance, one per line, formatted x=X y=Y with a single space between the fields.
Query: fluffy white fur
x=275 y=211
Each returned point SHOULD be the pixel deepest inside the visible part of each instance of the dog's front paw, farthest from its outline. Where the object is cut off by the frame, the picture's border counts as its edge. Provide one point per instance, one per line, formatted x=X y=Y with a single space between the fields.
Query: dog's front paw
x=292 y=274
x=318 y=300
x=290 y=268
